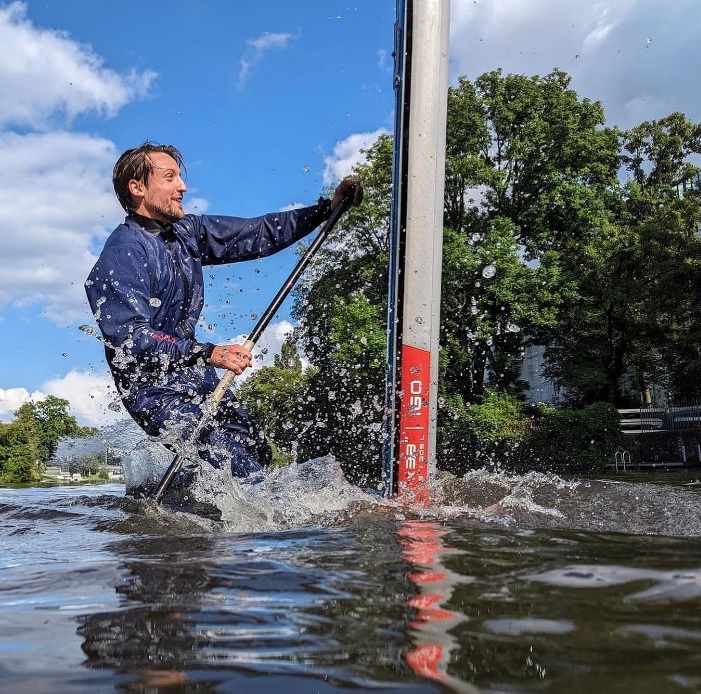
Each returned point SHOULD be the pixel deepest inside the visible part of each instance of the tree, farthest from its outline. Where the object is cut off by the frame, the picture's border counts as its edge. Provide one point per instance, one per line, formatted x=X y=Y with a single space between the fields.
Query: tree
x=30 y=440
x=341 y=311
x=19 y=452
x=273 y=396
x=633 y=302
x=530 y=150
x=664 y=207
x=52 y=422
x=528 y=172
x=531 y=166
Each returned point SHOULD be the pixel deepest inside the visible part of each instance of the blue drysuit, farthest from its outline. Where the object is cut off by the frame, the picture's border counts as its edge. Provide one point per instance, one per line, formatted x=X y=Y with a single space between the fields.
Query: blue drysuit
x=146 y=291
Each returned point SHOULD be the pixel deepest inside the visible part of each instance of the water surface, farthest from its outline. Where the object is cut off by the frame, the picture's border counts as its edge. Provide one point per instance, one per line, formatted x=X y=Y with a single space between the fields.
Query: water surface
x=505 y=584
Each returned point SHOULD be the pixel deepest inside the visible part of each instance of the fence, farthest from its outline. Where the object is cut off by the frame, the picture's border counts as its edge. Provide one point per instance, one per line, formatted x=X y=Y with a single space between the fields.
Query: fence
x=669 y=436
x=646 y=420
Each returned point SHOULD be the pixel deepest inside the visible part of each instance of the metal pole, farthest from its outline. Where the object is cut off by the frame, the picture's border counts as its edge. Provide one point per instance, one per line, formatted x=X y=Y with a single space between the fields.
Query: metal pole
x=416 y=242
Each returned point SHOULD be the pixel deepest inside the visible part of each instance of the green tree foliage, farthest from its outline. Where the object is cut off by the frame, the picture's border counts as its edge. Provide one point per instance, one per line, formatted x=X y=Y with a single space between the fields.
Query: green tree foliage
x=274 y=395
x=528 y=172
x=565 y=440
x=544 y=242
x=19 y=452
x=29 y=442
x=530 y=150
x=633 y=305
x=613 y=266
x=484 y=434
x=505 y=434
x=52 y=421
x=341 y=309
x=663 y=204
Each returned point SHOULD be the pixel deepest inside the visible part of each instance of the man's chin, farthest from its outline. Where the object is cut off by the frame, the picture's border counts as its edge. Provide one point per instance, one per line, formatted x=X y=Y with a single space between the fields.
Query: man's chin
x=176 y=215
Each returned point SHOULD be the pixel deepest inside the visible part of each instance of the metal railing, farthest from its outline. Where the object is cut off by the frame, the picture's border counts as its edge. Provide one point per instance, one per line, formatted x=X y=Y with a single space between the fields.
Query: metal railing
x=646 y=420
x=622 y=459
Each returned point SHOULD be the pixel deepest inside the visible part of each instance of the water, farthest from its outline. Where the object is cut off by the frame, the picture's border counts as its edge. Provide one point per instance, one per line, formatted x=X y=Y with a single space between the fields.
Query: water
x=505 y=584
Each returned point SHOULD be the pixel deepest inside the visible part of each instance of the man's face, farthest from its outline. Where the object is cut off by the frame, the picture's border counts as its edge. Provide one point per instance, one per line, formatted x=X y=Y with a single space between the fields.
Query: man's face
x=163 y=196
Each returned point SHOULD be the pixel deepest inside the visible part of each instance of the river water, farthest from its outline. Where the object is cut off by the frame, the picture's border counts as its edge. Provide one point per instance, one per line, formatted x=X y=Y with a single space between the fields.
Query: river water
x=305 y=584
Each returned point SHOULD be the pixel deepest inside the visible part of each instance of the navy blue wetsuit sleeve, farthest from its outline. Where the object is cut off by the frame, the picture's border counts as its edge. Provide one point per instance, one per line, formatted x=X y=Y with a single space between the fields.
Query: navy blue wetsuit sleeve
x=122 y=305
x=223 y=239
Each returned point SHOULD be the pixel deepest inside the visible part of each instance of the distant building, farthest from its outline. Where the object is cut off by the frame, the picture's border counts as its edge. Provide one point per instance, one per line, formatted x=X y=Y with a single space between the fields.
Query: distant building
x=115 y=472
x=53 y=473
x=540 y=388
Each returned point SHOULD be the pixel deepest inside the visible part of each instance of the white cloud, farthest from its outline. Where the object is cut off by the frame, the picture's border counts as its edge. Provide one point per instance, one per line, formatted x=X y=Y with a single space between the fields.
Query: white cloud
x=48 y=74
x=385 y=61
x=637 y=57
x=56 y=198
x=11 y=399
x=196 y=205
x=92 y=398
x=256 y=49
x=270 y=344
x=55 y=185
x=346 y=154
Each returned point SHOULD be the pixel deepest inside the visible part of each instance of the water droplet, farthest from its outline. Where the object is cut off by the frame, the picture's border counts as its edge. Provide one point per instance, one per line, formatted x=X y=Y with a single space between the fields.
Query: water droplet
x=489 y=271
x=155 y=301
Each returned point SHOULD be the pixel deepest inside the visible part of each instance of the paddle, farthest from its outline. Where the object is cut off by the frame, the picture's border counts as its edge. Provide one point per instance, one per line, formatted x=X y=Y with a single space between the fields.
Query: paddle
x=210 y=406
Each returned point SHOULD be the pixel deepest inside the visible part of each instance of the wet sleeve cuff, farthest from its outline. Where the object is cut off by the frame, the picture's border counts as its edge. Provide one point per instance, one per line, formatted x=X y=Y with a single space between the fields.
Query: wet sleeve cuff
x=199 y=351
x=324 y=206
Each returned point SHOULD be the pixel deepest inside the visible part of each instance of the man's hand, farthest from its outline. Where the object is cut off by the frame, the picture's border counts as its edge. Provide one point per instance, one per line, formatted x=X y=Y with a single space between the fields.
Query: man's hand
x=344 y=188
x=231 y=357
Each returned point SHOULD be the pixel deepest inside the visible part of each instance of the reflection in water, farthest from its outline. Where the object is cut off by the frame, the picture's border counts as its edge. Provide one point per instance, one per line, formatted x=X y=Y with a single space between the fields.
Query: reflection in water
x=423 y=547
x=296 y=604
x=151 y=627
x=146 y=629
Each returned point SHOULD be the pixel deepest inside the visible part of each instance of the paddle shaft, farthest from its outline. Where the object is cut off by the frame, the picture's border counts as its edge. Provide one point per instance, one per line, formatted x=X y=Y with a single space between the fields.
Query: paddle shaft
x=211 y=404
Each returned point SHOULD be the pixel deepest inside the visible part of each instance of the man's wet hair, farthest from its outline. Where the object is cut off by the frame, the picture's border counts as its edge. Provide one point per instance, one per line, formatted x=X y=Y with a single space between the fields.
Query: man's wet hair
x=136 y=164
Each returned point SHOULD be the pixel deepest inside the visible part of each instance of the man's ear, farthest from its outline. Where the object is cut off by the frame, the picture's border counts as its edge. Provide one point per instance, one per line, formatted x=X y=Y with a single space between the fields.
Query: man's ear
x=136 y=189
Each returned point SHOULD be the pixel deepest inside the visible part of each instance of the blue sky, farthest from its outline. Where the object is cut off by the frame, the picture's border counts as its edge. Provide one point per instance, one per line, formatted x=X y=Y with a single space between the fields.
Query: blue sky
x=269 y=102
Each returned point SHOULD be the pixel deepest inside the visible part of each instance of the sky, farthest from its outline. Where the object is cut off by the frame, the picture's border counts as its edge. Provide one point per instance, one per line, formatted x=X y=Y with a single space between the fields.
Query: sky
x=270 y=103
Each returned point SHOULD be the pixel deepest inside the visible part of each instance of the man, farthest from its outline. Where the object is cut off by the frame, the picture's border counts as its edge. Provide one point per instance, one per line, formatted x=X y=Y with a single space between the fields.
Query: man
x=146 y=291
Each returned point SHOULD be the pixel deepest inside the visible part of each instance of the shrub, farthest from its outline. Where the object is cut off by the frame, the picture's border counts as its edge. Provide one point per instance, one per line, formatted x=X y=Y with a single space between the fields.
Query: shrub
x=487 y=434
x=504 y=433
x=574 y=440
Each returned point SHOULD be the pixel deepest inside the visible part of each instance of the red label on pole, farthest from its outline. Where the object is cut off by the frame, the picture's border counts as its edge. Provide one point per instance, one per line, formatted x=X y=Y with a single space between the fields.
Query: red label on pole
x=412 y=473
